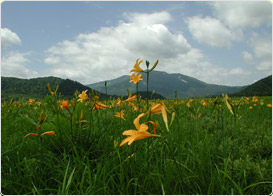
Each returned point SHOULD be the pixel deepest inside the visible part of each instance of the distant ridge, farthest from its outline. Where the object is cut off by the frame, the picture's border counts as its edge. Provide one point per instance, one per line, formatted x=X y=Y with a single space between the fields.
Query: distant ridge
x=151 y=95
x=262 y=87
x=165 y=84
x=12 y=87
x=162 y=83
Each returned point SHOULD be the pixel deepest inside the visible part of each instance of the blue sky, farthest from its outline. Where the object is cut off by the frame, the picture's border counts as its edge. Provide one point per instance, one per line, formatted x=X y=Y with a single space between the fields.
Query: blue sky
x=226 y=43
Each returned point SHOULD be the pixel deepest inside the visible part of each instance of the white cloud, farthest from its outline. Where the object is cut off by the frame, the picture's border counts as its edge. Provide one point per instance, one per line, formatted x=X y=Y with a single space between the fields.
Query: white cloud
x=9 y=38
x=144 y=18
x=239 y=72
x=197 y=65
x=112 y=51
x=210 y=31
x=14 y=65
x=265 y=66
x=262 y=47
x=243 y=14
x=248 y=58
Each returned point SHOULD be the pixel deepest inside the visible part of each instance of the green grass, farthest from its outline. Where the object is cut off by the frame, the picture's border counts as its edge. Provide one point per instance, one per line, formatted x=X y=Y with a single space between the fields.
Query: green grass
x=214 y=153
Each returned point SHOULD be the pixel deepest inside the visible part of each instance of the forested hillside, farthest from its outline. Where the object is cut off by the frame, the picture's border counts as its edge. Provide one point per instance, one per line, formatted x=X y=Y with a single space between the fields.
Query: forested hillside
x=37 y=87
x=262 y=87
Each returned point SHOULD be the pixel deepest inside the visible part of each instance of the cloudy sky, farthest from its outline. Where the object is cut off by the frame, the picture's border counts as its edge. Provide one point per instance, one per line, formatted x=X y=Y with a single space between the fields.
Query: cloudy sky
x=226 y=43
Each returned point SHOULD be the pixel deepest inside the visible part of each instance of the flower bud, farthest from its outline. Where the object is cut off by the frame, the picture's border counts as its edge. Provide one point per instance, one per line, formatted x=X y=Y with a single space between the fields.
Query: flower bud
x=41 y=118
x=154 y=65
x=147 y=64
x=38 y=130
x=74 y=103
x=81 y=114
x=49 y=89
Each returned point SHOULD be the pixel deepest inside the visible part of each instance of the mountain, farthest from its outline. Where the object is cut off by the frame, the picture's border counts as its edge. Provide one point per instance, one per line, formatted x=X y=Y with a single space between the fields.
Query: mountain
x=165 y=84
x=37 y=87
x=262 y=87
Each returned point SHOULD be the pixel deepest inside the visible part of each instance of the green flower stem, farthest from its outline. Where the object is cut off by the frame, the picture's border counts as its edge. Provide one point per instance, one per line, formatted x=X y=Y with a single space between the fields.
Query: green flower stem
x=59 y=129
x=137 y=94
x=147 y=89
x=71 y=125
x=91 y=120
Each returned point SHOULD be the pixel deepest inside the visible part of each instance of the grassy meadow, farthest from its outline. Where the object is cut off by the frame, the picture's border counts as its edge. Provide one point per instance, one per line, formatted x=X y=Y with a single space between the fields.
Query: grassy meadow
x=84 y=146
x=204 y=148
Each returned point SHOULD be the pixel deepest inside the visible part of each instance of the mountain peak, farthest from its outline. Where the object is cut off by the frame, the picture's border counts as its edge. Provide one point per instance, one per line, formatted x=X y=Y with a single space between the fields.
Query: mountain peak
x=165 y=84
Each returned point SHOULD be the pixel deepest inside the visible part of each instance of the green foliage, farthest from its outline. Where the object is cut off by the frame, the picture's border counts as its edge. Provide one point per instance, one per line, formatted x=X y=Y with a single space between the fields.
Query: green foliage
x=207 y=151
x=262 y=87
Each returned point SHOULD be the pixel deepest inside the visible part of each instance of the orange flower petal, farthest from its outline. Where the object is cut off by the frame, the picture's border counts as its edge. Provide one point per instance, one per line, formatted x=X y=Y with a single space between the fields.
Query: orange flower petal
x=136 y=121
x=129 y=132
x=120 y=115
x=137 y=68
x=133 y=98
x=128 y=139
x=164 y=114
x=156 y=109
x=143 y=127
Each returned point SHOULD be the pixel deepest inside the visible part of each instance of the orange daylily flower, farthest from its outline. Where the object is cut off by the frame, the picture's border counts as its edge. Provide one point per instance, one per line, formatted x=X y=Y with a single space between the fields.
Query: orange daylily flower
x=161 y=108
x=83 y=96
x=131 y=98
x=30 y=101
x=189 y=103
x=99 y=105
x=204 y=103
x=119 y=102
x=269 y=105
x=254 y=99
x=156 y=109
x=140 y=133
x=137 y=68
x=135 y=107
x=120 y=114
x=135 y=78
x=65 y=104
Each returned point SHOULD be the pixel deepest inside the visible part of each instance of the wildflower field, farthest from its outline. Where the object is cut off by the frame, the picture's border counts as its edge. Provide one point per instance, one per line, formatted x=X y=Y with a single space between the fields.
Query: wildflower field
x=87 y=146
